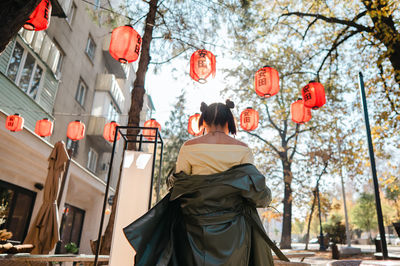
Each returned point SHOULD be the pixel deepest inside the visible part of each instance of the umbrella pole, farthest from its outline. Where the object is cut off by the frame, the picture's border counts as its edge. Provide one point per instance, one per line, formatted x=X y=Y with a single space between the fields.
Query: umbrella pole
x=64 y=179
x=105 y=198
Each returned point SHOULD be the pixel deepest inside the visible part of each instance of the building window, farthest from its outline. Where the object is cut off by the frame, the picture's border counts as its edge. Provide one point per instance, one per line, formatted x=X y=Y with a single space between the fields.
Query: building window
x=90 y=48
x=81 y=92
x=112 y=114
x=92 y=160
x=71 y=227
x=25 y=71
x=71 y=13
x=16 y=205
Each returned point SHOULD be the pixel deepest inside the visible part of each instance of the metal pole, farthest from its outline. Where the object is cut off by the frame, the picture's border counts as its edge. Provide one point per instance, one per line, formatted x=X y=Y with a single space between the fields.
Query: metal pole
x=348 y=237
x=159 y=173
x=105 y=198
x=321 y=235
x=140 y=142
x=153 y=166
x=373 y=169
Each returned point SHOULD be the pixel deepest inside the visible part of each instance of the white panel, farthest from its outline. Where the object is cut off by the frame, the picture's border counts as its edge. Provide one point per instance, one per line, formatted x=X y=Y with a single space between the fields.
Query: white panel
x=133 y=201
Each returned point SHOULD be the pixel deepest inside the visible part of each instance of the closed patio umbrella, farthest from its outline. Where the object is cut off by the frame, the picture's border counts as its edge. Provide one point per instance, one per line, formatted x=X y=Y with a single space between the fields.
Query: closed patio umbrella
x=44 y=230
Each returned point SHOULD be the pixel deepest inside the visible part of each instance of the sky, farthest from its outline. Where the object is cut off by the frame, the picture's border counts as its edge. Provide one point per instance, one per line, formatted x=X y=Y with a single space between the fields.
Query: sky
x=165 y=86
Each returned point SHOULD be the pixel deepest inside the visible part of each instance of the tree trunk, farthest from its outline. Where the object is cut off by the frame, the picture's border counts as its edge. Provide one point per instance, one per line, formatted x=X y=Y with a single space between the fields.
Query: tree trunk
x=134 y=114
x=286 y=240
x=13 y=14
x=138 y=86
x=309 y=221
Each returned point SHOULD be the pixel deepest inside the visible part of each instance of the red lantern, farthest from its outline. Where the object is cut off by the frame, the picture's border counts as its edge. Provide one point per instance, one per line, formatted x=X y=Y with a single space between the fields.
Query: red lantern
x=76 y=130
x=202 y=65
x=314 y=95
x=151 y=133
x=249 y=119
x=14 y=122
x=40 y=17
x=125 y=44
x=300 y=113
x=44 y=127
x=109 y=131
x=193 y=125
x=266 y=82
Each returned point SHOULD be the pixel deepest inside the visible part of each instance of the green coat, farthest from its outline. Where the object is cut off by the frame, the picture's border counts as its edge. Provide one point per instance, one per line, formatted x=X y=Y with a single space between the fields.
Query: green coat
x=206 y=220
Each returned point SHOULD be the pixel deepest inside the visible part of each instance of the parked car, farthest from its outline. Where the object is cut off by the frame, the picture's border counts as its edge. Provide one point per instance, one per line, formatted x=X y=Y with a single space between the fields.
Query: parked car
x=313 y=241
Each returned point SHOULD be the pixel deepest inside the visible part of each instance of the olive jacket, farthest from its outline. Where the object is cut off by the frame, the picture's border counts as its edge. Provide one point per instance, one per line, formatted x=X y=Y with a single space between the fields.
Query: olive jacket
x=206 y=220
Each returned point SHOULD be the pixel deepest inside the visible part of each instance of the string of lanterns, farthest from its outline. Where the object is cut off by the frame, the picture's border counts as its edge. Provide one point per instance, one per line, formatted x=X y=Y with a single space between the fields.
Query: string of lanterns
x=76 y=129
x=125 y=47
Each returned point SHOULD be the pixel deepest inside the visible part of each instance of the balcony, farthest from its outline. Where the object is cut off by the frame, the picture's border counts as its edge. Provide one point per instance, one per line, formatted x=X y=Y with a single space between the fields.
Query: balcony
x=108 y=83
x=113 y=65
x=95 y=134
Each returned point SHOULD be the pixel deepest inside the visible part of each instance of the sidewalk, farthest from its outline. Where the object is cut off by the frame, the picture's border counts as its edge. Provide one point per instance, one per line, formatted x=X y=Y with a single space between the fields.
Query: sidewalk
x=366 y=258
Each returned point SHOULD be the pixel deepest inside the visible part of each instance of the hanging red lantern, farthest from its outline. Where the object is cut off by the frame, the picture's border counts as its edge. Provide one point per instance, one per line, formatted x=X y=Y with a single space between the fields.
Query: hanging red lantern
x=151 y=133
x=193 y=125
x=202 y=65
x=249 y=119
x=40 y=17
x=76 y=130
x=266 y=82
x=125 y=44
x=15 y=122
x=109 y=131
x=44 y=127
x=314 y=95
x=300 y=113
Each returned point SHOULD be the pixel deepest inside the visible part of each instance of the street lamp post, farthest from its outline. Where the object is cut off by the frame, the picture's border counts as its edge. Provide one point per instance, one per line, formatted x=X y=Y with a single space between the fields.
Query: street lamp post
x=373 y=169
x=321 y=234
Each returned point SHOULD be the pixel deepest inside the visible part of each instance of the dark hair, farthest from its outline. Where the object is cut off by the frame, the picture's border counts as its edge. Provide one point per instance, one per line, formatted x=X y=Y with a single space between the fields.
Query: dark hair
x=218 y=114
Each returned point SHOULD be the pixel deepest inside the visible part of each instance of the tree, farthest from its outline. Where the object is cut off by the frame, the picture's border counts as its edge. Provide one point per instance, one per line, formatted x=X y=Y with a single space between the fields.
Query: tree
x=364 y=214
x=13 y=15
x=373 y=23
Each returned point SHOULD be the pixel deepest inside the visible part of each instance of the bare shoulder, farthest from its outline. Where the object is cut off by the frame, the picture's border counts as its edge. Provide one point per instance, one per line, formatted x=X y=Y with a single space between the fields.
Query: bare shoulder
x=238 y=142
x=197 y=140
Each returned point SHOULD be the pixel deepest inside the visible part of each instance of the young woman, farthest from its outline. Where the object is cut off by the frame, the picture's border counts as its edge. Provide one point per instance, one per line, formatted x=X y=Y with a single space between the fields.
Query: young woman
x=209 y=217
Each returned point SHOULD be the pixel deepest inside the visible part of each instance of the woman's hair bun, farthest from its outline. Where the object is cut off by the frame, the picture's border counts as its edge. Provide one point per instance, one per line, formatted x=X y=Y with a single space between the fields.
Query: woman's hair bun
x=230 y=104
x=203 y=107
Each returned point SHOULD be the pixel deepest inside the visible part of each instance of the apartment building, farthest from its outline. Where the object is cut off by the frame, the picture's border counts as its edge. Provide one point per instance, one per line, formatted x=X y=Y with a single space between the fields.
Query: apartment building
x=64 y=74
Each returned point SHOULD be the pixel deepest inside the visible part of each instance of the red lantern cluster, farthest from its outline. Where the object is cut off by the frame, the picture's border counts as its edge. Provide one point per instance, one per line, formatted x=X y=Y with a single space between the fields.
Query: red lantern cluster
x=125 y=44
x=44 y=127
x=202 y=65
x=300 y=113
x=249 y=119
x=109 y=131
x=40 y=17
x=76 y=130
x=151 y=133
x=314 y=95
x=193 y=125
x=14 y=122
x=266 y=82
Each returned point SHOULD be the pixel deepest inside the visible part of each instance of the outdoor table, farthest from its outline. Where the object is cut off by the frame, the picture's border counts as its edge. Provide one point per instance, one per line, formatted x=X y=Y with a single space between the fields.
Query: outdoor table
x=66 y=259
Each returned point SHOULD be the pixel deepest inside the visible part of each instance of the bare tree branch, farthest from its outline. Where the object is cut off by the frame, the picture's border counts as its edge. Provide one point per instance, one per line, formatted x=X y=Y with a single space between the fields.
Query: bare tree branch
x=272 y=121
x=263 y=140
x=350 y=23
